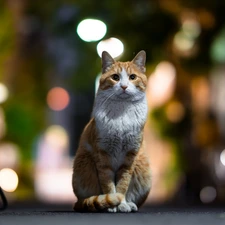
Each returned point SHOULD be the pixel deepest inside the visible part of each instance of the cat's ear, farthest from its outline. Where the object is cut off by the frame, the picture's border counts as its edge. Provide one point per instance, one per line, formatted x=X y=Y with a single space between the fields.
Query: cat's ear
x=139 y=60
x=107 y=61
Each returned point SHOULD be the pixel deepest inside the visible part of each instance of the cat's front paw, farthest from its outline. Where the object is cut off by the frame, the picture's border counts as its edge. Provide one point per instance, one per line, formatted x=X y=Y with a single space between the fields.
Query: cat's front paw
x=133 y=206
x=123 y=207
x=112 y=210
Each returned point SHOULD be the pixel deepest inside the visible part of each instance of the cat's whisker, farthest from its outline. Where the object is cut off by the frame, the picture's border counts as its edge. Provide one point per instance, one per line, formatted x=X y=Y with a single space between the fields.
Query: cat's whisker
x=106 y=99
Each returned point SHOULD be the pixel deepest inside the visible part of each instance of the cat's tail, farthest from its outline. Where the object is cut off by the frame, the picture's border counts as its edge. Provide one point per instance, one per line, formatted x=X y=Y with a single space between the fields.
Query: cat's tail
x=98 y=202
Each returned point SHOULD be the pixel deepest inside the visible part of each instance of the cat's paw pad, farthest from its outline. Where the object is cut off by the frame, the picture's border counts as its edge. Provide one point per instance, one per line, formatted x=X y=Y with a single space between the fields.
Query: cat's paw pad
x=112 y=210
x=123 y=207
x=133 y=206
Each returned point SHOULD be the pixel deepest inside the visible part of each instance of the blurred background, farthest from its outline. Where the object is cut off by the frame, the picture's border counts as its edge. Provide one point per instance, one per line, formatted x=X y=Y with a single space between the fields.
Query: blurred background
x=49 y=68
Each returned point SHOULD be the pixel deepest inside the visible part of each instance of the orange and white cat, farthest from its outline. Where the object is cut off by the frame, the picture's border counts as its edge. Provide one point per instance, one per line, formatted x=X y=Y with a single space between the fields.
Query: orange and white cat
x=111 y=171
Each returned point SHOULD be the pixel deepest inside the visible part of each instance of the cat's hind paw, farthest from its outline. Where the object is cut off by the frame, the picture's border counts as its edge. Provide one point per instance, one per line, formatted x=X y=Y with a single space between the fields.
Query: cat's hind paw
x=133 y=206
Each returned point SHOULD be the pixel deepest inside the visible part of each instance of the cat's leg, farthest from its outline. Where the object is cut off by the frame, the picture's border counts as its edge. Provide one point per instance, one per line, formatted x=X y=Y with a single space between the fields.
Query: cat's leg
x=106 y=175
x=123 y=180
x=85 y=179
x=93 y=178
x=140 y=184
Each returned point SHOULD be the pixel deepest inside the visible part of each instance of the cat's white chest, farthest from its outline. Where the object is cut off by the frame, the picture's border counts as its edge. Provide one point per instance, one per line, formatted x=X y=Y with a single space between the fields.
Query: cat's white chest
x=119 y=126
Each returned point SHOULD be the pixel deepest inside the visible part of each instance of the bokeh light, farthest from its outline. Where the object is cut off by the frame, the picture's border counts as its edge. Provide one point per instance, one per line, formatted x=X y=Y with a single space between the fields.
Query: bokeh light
x=175 y=112
x=218 y=48
x=4 y=93
x=208 y=194
x=9 y=155
x=53 y=164
x=161 y=84
x=112 y=45
x=183 y=42
x=54 y=186
x=57 y=136
x=200 y=91
x=191 y=26
x=58 y=98
x=8 y=179
x=222 y=157
x=91 y=30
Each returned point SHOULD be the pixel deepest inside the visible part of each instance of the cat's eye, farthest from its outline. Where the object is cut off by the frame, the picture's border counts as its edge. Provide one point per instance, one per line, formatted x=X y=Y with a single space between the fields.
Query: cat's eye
x=116 y=77
x=132 y=77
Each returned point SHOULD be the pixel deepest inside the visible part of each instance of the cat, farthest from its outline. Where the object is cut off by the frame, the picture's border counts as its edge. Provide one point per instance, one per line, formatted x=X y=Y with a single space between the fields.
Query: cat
x=111 y=171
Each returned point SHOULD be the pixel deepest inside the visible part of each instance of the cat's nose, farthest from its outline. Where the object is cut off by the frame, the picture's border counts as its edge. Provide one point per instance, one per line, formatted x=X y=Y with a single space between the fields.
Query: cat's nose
x=124 y=87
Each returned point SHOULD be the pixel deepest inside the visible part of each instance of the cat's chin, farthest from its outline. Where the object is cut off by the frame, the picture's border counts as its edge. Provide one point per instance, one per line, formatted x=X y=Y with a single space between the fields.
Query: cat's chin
x=128 y=97
x=124 y=95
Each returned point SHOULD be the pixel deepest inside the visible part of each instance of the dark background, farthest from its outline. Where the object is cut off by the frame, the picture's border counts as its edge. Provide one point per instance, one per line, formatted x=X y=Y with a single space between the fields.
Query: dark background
x=40 y=50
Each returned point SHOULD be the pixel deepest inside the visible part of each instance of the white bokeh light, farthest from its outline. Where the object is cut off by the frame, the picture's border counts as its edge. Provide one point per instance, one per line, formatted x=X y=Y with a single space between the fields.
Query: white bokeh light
x=112 y=45
x=91 y=30
x=222 y=157
x=8 y=179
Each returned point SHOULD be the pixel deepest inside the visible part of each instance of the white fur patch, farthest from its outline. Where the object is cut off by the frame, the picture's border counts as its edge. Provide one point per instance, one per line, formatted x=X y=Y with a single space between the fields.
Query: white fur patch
x=124 y=78
x=120 y=118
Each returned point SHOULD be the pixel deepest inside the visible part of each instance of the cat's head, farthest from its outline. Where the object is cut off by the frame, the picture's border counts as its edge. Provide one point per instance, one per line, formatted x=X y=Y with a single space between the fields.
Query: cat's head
x=123 y=80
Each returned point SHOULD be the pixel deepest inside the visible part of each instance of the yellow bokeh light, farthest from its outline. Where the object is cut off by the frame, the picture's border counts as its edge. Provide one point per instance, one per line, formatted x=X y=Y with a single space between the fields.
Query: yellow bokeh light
x=182 y=42
x=175 y=112
x=8 y=179
x=57 y=136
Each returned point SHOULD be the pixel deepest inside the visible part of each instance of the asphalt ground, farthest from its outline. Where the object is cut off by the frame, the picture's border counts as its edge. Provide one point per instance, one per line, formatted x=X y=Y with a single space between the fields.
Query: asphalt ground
x=147 y=215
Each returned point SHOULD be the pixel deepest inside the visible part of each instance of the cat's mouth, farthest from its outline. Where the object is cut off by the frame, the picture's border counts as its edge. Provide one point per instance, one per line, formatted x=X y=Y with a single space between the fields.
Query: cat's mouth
x=124 y=95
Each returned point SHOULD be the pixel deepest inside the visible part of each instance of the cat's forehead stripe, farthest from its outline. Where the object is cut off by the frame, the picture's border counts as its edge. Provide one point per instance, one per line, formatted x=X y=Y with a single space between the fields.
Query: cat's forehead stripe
x=123 y=69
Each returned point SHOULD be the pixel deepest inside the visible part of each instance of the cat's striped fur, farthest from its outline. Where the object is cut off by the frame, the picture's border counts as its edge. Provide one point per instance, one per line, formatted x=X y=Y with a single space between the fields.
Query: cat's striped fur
x=111 y=171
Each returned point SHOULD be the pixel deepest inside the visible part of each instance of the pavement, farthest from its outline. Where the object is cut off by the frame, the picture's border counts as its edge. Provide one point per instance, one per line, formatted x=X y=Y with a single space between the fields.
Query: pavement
x=147 y=215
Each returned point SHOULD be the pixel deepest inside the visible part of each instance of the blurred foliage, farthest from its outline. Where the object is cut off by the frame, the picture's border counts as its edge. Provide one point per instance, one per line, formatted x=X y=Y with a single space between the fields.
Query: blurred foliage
x=22 y=126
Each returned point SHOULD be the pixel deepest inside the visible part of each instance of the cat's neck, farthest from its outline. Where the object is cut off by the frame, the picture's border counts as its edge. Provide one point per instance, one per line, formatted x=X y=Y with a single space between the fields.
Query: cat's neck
x=107 y=109
x=119 y=124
